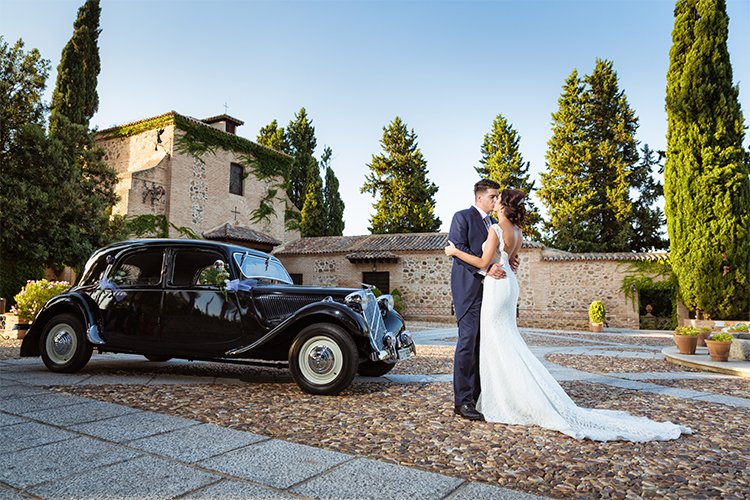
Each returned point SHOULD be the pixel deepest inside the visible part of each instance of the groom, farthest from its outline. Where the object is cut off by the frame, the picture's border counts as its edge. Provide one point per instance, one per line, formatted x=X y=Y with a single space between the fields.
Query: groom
x=468 y=232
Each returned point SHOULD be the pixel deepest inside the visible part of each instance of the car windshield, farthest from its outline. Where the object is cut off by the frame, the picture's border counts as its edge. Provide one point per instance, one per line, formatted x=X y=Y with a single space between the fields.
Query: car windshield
x=256 y=267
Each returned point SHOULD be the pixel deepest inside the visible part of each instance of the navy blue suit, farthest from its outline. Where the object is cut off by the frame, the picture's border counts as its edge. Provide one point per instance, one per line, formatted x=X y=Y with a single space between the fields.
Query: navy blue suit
x=468 y=232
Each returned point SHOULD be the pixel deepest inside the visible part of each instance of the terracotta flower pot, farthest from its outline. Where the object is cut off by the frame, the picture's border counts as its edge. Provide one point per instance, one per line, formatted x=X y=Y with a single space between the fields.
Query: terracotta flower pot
x=597 y=327
x=686 y=343
x=719 y=350
x=702 y=338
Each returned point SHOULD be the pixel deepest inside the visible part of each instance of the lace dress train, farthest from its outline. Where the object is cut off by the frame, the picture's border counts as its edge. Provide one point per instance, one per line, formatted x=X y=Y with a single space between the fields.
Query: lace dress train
x=518 y=389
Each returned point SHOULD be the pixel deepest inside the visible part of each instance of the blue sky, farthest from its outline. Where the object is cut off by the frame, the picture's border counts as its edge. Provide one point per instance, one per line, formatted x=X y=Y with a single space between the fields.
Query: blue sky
x=446 y=68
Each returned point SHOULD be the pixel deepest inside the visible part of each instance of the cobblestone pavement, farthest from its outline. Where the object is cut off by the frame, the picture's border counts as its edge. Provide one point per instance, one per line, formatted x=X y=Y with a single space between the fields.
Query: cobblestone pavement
x=406 y=417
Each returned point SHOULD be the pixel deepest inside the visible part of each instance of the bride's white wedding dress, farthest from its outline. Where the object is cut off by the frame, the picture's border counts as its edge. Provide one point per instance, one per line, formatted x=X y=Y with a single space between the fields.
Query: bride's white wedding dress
x=518 y=389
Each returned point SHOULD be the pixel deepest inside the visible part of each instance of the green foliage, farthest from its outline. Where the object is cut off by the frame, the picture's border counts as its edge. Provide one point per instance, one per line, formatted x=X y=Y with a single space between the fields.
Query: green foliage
x=597 y=313
x=300 y=135
x=153 y=226
x=75 y=95
x=274 y=137
x=739 y=328
x=706 y=183
x=14 y=275
x=33 y=296
x=376 y=292
x=689 y=331
x=399 y=176
x=332 y=198
x=650 y=275
x=502 y=162
x=592 y=170
x=398 y=301
x=722 y=337
x=314 y=213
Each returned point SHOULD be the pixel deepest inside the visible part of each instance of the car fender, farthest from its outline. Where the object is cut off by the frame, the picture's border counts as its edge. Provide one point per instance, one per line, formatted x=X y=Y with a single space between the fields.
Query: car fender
x=73 y=302
x=340 y=314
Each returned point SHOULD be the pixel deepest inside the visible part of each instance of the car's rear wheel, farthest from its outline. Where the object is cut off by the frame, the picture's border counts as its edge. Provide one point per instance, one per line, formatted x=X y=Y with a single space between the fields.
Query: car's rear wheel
x=63 y=344
x=323 y=359
x=374 y=368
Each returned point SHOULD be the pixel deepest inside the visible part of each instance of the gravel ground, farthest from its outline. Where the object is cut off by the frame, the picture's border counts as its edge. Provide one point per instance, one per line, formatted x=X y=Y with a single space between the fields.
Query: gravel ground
x=654 y=340
x=9 y=348
x=611 y=364
x=413 y=425
x=735 y=386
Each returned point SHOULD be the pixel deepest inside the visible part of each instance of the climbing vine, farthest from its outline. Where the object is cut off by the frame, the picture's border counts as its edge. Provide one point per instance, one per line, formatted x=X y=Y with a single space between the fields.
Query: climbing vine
x=650 y=275
x=154 y=226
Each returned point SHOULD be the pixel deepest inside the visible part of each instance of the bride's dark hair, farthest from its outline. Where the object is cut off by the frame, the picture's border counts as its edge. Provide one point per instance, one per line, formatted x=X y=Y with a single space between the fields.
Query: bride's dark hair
x=515 y=207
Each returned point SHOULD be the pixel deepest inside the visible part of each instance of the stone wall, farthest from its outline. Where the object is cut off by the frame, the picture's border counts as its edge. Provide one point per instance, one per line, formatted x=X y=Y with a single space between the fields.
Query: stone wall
x=190 y=192
x=554 y=293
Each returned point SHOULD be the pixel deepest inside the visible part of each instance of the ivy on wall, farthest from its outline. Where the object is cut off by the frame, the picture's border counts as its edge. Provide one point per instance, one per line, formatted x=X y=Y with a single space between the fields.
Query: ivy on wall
x=154 y=226
x=648 y=275
x=198 y=139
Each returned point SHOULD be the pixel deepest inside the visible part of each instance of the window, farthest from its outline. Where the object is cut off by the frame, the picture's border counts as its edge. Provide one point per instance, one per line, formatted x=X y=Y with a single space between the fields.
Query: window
x=296 y=278
x=189 y=264
x=235 y=179
x=380 y=280
x=140 y=268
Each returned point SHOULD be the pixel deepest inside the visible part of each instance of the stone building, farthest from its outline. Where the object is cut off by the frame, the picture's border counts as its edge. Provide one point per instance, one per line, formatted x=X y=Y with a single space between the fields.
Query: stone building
x=556 y=287
x=199 y=174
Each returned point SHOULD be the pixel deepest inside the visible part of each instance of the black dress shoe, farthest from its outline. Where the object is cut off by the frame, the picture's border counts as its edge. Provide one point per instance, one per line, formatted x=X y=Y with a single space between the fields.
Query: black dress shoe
x=468 y=412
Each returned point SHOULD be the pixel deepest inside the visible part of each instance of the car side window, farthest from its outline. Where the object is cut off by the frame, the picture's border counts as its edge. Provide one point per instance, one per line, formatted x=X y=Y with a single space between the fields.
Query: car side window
x=193 y=267
x=138 y=268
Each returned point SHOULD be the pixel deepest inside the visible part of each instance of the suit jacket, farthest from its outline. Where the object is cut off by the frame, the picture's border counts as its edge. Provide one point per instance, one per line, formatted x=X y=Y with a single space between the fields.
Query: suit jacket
x=467 y=232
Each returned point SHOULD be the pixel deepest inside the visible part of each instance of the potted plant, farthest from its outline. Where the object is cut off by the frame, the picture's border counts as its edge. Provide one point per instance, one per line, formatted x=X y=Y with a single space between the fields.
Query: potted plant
x=686 y=338
x=738 y=328
x=597 y=315
x=705 y=332
x=718 y=346
x=31 y=299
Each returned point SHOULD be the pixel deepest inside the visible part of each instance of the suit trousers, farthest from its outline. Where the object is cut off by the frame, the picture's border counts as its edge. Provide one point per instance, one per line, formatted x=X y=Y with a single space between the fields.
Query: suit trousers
x=466 y=386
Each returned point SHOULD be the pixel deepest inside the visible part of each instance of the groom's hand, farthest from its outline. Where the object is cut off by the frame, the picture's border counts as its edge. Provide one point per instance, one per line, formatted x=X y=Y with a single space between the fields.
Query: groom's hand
x=514 y=262
x=496 y=271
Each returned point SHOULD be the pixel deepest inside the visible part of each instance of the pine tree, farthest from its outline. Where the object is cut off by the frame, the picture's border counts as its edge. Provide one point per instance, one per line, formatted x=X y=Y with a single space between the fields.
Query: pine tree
x=502 y=162
x=647 y=219
x=332 y=198
x=75 y=93
x=399 y=176
x=593 y=170
x=706 y=185
x=301 y=136
x=314 y=213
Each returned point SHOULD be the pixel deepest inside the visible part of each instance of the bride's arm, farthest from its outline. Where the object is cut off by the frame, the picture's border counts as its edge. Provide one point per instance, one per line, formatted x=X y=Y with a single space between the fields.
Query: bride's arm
x=480 y=262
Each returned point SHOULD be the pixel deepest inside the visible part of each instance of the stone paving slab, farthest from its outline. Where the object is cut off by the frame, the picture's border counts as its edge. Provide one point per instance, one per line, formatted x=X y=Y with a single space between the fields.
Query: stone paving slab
x=276 y=463
x=238 y=490
x=51 y=462
x=481 y=491
x=132 y=426
x=142 y=477
x=37 y=402
x=6 y=419
x=29 y=435
x=89 y=411
x=196 y=443
x=12 y=390
x=366 y=479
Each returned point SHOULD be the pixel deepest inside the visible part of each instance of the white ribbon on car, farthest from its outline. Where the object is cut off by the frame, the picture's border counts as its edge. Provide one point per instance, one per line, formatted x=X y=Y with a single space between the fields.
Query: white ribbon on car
x=237 y=285
x=118 y=294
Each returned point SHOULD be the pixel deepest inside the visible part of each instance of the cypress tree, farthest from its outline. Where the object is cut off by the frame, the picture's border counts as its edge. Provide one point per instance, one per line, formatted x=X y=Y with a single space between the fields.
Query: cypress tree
x=75 y=93
x=502 y=162
x=273 y=136
x=314 y=213
x=332 y=198
x=706 y=185
x=301 y=136
x=399 y=176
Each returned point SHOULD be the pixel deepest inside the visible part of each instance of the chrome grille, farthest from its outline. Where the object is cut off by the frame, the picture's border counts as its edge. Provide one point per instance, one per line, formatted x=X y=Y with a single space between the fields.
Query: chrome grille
x=375 y=322
x=274 y=307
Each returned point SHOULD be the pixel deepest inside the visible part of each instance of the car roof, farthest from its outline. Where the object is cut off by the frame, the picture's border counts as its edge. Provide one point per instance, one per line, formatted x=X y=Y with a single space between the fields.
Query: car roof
x=180 y=243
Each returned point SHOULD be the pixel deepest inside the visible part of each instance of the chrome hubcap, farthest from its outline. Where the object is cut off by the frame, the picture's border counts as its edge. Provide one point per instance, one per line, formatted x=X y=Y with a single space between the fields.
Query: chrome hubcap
x=62 y=343
x=321 y=360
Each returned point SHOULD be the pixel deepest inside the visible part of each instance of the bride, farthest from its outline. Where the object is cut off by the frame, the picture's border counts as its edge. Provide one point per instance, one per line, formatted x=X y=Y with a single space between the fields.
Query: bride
x=516 y=387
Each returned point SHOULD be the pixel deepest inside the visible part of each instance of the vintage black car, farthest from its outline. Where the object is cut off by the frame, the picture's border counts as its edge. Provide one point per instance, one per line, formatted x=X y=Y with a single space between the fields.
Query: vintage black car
x=209 y=301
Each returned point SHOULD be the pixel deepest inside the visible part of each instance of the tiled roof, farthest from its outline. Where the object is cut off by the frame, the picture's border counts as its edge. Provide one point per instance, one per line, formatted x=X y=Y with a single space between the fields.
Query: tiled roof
x=221 y=118
x=551 y=254
x=373 y=243
x=372 y=256
x=240 y=233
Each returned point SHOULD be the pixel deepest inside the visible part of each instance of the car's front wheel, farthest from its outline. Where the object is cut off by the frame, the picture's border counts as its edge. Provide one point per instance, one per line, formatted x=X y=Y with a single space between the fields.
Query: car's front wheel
x=323 y=359
x=63 y=344
x=374 y=368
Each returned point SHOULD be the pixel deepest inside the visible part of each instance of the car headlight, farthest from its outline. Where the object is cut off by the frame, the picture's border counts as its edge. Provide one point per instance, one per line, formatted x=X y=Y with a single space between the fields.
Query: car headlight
x=360 y=298
x=386 y=301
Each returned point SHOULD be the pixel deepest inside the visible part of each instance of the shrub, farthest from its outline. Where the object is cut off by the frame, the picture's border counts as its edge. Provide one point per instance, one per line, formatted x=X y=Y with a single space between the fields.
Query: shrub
x=687 y=330
x=398 y=301
x=597 y=313
x=33 y=296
